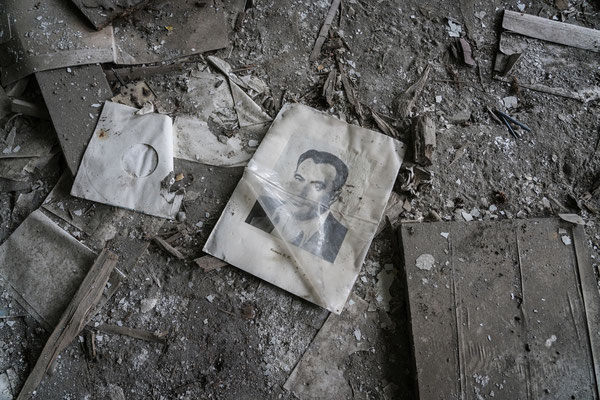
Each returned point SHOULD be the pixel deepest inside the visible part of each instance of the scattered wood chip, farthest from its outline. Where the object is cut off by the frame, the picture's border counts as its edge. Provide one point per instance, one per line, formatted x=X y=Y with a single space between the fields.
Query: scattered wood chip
x=351 y=94
x=383 y=125
x=168 y=248
x=209 y=263
x=424 y=140
x=405 y=103
x=467 y=54
x=329 y=87
x=459 y=153
x=77 y=314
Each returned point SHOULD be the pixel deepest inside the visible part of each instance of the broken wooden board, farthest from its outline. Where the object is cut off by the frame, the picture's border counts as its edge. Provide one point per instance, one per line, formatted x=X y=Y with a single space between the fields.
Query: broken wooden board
x=541 y=66
x=43 y=266
x=320 y=372
x=74 y=98
x=74 y=318
x=101 y=12
x=48 y=35
x=552 y=31
x=504 y=309
x=199 y=27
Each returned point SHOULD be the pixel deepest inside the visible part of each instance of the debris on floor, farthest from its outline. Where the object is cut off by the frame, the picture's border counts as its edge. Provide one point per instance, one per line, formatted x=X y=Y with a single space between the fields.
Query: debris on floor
x=223 y=159
x=488 y=292
x=284 y=223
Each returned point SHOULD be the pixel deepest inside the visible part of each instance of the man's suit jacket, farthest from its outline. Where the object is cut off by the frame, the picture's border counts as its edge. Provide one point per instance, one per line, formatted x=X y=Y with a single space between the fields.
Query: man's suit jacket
x=333 y=231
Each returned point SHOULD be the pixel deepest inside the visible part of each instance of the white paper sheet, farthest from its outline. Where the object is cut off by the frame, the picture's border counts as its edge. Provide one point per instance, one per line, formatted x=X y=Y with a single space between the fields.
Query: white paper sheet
x=129 y=161
x=307 y=208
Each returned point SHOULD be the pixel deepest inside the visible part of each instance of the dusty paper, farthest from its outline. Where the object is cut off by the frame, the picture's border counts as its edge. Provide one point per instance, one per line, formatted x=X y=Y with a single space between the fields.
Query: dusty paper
x=129 y=162
x=305 y=212
x=218 y=123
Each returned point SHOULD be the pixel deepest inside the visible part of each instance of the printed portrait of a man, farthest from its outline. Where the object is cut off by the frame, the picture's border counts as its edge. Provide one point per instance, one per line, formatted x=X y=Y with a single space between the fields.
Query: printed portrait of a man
x=302 y=217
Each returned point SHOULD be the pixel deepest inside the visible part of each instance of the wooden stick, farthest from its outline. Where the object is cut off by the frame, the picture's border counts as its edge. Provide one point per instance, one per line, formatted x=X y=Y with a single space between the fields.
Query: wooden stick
x=168 y=248
x=324 y=30
x=77 y=314
x=132 y=332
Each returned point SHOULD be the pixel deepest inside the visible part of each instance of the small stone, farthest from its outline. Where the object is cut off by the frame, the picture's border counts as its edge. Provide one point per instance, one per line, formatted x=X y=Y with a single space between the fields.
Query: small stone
x=357 y=334
x=199 y=224
x=510 y=102
x=210 y=298
x=438 y=99
x=493 y=208
x=476 y=213
x=521 y=214
x=180 y=216
x=466 y=216
x=425 y=262
x=147 y=305
x=252 y=143
x=445 y=234
x=566 y=240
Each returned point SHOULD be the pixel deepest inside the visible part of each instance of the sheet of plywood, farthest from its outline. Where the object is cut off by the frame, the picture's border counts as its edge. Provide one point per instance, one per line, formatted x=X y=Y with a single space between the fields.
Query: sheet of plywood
x=502 y=309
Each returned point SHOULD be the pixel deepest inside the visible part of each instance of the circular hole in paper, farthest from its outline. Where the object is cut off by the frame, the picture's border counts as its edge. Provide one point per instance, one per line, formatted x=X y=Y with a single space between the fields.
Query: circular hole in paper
x=139 y=160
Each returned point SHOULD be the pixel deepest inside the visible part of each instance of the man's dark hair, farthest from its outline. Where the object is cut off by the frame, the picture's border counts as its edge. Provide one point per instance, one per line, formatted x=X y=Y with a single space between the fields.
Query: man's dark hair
x=322 y=157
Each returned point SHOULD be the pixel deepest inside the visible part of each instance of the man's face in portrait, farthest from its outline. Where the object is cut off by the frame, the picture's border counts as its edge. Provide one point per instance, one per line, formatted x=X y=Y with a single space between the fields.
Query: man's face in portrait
x=313 y=183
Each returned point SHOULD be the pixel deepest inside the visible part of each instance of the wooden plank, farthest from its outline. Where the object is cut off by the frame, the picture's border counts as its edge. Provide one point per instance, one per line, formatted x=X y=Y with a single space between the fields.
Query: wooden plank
x=552 y=31
x=507 y=307
x=77 y=314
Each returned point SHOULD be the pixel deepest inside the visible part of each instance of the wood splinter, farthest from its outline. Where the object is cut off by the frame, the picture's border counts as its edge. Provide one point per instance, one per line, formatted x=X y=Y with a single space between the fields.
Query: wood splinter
x=324 y=30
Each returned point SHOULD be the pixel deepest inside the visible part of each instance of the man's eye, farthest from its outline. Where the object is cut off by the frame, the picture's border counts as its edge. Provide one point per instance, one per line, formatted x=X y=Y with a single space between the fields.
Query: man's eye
x=299 y=178
x=319 y=186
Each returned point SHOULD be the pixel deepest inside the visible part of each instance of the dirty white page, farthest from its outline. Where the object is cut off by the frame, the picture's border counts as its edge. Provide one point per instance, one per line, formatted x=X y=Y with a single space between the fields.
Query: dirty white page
x=218 y=123
x=307 y=208
x=129 y=162
x=49 y=34
x=43 y=266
